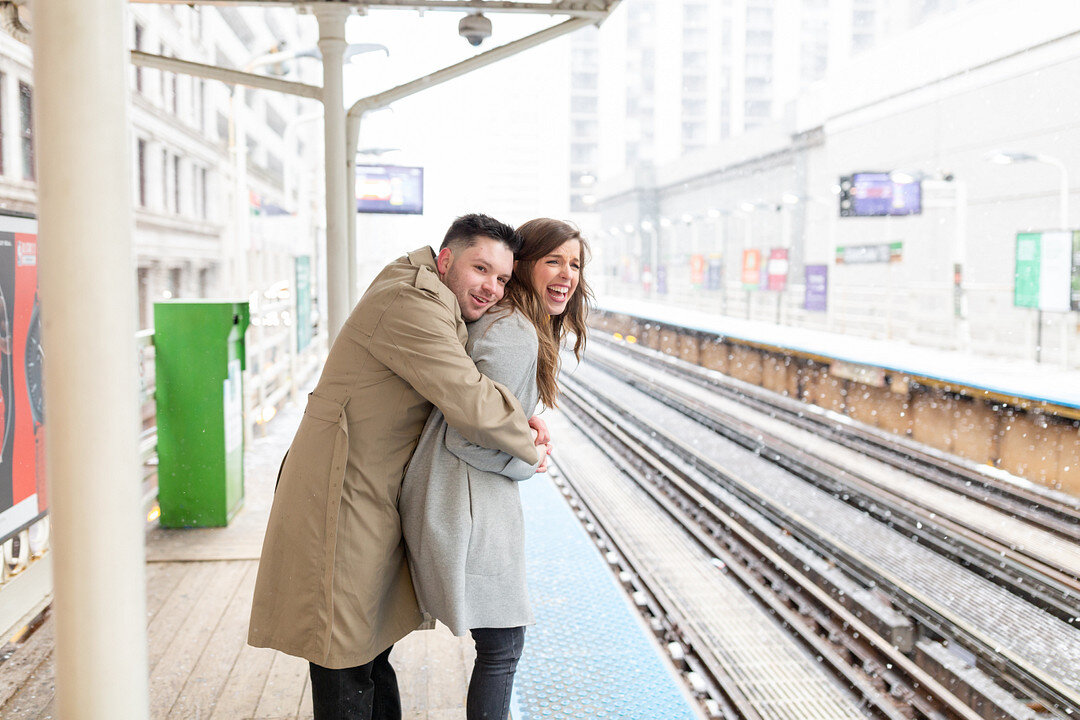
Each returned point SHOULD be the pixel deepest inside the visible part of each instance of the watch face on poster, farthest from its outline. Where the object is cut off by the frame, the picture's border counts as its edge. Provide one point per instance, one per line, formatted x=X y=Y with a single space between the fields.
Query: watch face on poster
x=33 y=362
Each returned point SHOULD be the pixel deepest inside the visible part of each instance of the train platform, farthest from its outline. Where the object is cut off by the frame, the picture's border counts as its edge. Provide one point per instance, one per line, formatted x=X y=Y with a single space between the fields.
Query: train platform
x=589 y=655
x=1021 y=382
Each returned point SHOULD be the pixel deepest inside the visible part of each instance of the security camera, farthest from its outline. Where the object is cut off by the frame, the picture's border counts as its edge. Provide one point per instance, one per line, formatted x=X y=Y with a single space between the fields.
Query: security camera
x=474 y=28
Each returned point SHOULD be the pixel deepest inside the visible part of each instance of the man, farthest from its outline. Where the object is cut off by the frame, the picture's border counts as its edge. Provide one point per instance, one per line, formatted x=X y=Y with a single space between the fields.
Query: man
x=333 y=585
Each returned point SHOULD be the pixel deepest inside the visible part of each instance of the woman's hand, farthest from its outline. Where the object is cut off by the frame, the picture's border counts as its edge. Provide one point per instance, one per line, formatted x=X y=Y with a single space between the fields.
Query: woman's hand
x=544 y=460
x=540 y=430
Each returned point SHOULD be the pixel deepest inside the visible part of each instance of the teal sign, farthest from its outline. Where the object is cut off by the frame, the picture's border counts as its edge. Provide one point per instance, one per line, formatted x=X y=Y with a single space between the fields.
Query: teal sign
x=303 y=302
x=1046 y=270
x=1026 y=277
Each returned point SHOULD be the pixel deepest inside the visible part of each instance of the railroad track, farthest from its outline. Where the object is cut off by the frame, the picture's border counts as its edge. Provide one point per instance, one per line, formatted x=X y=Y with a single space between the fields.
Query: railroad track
x=1056 y=512
x=716 y=503
x=1022 y=559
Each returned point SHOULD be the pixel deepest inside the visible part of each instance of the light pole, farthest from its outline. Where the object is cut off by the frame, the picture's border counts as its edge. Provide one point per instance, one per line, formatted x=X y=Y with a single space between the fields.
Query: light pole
x=1008 y=157
x=938 y=181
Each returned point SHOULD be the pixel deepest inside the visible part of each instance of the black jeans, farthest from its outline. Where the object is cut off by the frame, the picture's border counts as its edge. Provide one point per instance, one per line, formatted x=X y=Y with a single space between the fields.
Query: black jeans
x=365 y=692
x=497 y=653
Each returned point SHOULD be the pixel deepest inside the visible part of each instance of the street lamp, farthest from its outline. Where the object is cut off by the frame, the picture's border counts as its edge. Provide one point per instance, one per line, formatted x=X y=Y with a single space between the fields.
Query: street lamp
x=1008 y=157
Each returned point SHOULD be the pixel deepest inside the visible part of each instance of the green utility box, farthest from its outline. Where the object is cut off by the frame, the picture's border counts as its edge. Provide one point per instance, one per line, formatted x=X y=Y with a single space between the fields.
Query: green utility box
x=199 y=356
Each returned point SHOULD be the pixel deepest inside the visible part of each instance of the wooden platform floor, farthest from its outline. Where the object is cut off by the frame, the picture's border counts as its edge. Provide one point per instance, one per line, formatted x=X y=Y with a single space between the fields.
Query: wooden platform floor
x=199 y=585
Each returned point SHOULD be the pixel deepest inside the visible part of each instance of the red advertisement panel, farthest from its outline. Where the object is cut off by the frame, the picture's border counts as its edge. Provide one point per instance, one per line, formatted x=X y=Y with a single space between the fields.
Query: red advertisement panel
x=778 y=268
x=697 y=270
x=22 y=421
x=751 y=269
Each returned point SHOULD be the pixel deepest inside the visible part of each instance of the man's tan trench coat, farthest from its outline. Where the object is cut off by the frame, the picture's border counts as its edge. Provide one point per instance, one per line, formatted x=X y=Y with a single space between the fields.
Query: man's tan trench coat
x=333 y=584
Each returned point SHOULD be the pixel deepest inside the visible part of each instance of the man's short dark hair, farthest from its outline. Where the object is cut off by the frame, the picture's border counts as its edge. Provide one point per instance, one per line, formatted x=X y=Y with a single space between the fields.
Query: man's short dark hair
x=465 y=231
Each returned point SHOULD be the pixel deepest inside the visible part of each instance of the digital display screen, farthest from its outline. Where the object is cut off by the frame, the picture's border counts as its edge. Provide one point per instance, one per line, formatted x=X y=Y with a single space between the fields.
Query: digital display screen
x=871 y=194
x=389 y=189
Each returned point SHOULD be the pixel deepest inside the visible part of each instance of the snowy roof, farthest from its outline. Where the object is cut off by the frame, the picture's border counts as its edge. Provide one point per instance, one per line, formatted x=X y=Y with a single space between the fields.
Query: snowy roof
x=1004 y=377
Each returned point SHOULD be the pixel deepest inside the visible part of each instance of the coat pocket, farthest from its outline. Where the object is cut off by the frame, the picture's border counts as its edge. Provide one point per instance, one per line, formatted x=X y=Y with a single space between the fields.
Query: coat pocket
x=497 y=534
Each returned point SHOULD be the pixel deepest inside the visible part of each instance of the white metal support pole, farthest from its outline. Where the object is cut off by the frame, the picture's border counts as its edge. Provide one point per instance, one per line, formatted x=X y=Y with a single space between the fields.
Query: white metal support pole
x=352 y=138
x=332 y=46
x=88 y=310
x=1064 y=210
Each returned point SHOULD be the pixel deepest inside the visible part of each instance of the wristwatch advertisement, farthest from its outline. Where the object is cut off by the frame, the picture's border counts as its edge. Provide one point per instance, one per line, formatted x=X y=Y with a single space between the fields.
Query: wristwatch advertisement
x=22 y=401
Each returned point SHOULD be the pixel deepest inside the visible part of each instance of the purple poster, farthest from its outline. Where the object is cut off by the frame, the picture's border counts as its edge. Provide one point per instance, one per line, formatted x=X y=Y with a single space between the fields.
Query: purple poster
x=817 y=285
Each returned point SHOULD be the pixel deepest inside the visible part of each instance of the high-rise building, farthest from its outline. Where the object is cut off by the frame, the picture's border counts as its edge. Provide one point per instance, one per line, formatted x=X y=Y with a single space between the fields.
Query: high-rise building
x=664 y=79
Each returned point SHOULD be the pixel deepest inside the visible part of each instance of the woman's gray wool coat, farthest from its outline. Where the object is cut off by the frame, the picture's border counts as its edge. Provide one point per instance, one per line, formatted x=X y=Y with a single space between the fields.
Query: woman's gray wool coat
x=460 y=508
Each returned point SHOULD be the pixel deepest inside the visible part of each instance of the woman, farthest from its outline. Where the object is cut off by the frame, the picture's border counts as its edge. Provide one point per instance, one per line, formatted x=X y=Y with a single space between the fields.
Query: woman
x=460 y=508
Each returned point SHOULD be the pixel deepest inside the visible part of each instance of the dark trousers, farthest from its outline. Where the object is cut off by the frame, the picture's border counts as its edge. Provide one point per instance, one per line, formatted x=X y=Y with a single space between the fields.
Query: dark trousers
x=365 y=692
x=497 y=653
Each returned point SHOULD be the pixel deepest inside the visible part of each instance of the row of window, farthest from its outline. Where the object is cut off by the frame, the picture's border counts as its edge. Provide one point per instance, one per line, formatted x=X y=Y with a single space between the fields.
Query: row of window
x=26 y=128
x=178 y=177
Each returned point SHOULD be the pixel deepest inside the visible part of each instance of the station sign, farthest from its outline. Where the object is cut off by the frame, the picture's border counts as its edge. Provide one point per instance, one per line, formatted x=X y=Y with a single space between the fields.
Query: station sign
x=863 y=254
x=22 y=402
x=393 y=189
x=1046 y=274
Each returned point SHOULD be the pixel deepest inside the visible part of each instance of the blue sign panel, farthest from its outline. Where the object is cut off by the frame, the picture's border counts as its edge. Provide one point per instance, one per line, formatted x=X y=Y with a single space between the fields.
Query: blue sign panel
x=390 y=189
x=877 y=194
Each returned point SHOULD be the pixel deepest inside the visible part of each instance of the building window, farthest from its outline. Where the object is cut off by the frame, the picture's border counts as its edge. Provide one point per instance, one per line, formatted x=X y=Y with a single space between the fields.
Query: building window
x=202 y=193
x=175 y=95
x=275 y=121
x=174 y=282
x=141 y=152
x=165 y=180
x=139 y=33
x=176 y=183
x=222 y=127
x=26 y=113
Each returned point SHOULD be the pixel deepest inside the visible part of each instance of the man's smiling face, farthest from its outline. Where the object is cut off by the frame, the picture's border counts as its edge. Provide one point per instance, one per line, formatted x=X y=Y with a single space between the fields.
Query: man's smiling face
x=477 y=275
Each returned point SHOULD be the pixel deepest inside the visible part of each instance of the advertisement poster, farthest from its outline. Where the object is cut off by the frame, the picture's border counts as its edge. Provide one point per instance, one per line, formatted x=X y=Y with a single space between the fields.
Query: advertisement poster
x=697 y=270
x=777 y=268
x=22 y=412
x=817 y=288
x=390 y=189
x=751 y=269
x=714 y=273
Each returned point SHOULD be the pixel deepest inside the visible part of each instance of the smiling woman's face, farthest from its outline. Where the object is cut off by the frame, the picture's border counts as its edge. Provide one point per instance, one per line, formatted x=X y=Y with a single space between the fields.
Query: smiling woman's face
x=555 y=276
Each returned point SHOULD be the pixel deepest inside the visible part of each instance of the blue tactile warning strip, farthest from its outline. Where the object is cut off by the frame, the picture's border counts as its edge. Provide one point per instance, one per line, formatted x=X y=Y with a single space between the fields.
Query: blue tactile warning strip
x=587 y=656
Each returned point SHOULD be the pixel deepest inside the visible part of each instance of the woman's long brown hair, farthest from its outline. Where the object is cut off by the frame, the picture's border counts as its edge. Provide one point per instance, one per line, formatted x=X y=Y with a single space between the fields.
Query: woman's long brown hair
x=541 y=238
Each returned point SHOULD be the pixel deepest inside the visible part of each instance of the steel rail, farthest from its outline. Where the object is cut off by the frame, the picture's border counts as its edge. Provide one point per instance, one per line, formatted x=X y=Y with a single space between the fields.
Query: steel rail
x=1017 y=671
x=1054 y=513
x=786 y=591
